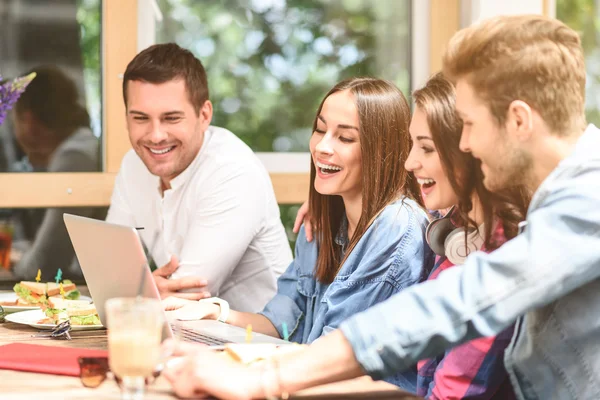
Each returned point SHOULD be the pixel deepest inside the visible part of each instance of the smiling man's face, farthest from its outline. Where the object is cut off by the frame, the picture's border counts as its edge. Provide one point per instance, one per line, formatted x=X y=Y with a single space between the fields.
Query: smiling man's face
x=503 y=162
x=164 y=129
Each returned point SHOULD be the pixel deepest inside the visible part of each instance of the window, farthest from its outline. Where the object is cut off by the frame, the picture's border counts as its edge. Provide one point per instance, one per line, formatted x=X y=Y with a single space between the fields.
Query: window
x=36 y=238
x=270 y=62
x=70 y=35
x=381 y=29
x=584 y=17
x=60 y=41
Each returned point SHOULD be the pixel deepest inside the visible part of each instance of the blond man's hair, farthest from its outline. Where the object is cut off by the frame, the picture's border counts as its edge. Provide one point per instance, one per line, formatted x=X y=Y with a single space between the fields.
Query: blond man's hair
x=524 y=57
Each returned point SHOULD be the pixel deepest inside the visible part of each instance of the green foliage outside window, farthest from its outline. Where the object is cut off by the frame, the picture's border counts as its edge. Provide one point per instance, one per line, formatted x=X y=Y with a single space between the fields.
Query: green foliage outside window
x=89 y=17
x=270 y=62
x=584 y=17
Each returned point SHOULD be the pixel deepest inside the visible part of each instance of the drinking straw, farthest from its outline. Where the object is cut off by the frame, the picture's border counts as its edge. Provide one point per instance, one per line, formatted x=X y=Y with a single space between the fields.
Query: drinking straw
x=286 y=334
x=58 y=276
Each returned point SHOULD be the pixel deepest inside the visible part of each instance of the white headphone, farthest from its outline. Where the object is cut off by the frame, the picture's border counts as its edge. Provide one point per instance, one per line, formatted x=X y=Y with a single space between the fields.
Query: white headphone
x=445 y=239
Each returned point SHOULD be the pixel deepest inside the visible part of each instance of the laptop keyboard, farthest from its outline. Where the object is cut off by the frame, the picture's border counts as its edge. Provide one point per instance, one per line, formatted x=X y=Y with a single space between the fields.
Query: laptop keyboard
x=191 y=335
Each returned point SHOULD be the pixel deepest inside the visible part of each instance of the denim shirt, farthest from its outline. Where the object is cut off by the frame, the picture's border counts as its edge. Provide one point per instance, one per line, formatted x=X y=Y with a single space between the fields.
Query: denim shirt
x=390 y=256
x=547 y=278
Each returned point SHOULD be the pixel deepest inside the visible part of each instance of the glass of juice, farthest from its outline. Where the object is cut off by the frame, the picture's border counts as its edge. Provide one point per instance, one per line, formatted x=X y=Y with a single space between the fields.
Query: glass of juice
x=134 y=337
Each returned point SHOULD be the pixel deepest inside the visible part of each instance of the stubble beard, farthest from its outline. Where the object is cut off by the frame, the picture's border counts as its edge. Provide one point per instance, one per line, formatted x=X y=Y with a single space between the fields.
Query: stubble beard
x=165 y=172
x=514 y=170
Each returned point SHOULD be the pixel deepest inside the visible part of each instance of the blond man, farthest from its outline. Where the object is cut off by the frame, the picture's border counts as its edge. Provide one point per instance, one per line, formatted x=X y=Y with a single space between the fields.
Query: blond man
x=520 y=91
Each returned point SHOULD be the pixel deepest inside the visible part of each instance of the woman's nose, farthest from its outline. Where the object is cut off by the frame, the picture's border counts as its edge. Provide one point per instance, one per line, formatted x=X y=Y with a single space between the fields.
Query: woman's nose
x=324 y=146
x=412 y=163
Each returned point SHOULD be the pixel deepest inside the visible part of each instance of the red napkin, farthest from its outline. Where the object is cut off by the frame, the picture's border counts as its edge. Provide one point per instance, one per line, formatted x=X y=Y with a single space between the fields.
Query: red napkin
x=44 y=359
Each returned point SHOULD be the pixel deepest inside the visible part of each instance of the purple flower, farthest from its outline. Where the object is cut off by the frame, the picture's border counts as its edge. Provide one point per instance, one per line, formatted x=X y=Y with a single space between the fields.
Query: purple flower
x=10 y=92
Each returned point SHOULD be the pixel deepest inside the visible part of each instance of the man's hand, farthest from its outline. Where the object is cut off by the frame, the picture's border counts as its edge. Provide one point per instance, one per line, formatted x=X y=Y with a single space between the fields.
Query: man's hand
x=171 y=287
x=190 y=310
x=303 y=216
x=172 y=303
x=198 y=371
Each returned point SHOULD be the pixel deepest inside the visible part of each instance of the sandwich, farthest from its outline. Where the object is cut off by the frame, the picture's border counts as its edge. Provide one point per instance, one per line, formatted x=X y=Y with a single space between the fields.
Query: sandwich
x=35 y=294
x=251 y=353
x=30 y=293
x=79 y=312
x=71 y=292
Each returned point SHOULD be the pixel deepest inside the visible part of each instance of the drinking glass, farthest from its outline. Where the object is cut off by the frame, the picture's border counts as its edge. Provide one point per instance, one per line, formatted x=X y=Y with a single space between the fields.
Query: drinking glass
x=134 y=337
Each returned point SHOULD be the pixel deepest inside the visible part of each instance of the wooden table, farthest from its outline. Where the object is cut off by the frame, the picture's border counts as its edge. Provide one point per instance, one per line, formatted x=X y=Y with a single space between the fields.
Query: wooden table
x=26 y=385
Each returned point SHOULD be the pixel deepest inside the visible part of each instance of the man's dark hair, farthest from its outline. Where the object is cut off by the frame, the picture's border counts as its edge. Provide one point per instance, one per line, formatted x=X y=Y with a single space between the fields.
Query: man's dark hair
x=161 y=63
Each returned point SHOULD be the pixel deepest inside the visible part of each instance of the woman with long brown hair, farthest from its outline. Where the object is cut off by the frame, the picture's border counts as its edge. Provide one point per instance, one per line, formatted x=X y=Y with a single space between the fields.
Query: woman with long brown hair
x=477 y=220
x=370 y=243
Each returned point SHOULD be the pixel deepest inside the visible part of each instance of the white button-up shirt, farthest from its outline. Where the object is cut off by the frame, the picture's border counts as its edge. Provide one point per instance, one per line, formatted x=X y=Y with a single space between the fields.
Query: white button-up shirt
x=220 y=218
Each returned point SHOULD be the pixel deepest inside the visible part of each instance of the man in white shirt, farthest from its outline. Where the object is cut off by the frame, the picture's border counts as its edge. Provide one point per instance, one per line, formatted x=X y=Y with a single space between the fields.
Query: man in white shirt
x=204 y=200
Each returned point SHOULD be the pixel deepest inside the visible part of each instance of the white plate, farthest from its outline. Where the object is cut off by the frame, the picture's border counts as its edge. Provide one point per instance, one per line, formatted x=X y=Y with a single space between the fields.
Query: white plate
x=12 y=296
x=32 y=317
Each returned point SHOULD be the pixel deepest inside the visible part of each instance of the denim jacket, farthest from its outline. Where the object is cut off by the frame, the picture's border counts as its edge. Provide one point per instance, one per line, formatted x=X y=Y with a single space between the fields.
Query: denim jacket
x=547 y=278
x=390 y=256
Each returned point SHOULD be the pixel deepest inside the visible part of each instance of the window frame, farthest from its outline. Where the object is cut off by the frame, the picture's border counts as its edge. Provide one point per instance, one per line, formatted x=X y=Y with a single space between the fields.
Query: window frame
x=119 y=45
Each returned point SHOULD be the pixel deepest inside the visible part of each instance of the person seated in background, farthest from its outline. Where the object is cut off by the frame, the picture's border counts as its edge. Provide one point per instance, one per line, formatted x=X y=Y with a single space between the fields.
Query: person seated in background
x=53 y=130
x=480 y=220
x=371 y=241
x=520 y=92
x=204 y=200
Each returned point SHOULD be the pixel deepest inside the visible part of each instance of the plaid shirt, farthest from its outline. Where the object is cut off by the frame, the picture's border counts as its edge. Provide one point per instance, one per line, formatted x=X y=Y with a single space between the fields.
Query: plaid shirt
x=473 y=370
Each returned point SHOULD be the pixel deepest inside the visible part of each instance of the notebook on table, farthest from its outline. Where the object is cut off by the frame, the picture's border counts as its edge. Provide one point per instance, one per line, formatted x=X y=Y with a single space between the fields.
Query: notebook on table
x=44 y=359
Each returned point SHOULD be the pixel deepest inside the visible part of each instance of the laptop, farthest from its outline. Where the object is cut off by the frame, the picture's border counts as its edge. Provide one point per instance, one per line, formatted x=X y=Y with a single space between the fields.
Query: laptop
x=113 y=262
